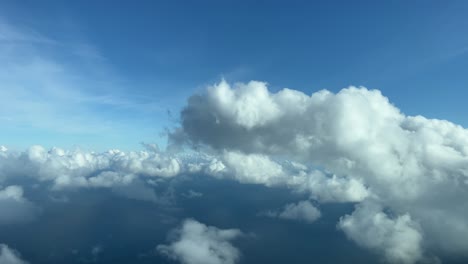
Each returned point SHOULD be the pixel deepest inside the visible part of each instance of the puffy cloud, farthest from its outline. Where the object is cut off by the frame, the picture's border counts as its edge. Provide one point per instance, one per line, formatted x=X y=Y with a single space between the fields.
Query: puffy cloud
x=14 y=193
x=363 y=147
x=196 y=243
x=399 y=238
x=329 y=188
x=10 y=256
x=249 y=105
x=302 y=211
x=261 y=169
x=355 y=132
x=252 y=168
x=14 y=207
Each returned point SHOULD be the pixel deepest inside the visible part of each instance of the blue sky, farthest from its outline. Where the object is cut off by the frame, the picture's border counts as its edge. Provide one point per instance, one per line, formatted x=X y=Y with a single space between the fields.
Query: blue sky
x=100 y=75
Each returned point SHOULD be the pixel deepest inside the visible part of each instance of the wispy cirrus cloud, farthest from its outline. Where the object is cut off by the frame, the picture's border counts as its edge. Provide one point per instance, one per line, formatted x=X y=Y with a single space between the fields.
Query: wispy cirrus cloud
x=64 y=88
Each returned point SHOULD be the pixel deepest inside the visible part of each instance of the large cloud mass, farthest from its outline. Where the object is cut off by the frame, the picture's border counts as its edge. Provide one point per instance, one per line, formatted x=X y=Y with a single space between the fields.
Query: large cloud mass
x=412 y=167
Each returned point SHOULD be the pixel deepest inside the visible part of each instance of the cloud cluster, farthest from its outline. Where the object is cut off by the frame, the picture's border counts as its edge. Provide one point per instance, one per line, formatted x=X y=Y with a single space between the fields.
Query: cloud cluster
x=10 y=256
x=78 y=168
x=196 y=243
x=113 y=169
x=362 y=146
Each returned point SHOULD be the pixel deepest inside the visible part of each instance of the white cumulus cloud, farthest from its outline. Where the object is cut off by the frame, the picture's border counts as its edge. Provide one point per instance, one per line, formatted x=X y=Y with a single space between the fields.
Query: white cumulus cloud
x=399 y=237
x=197 y=243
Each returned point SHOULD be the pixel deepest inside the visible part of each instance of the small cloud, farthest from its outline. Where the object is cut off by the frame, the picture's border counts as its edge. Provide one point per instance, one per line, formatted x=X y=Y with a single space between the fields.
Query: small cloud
x=301 y=211
x=196 y=243
x=10 y=256
x=192 y=194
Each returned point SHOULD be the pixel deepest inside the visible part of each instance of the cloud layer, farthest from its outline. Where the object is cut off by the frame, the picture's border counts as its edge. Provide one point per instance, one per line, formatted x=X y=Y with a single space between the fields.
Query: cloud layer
x=408 y=175
x=67 y=169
